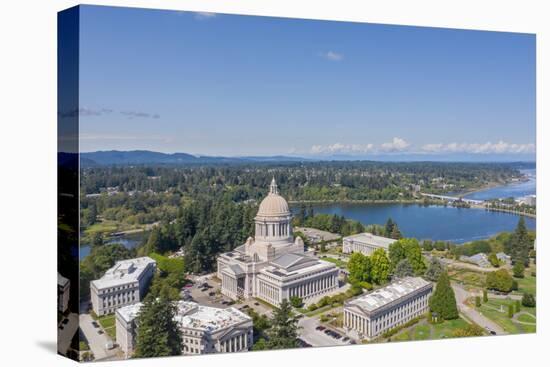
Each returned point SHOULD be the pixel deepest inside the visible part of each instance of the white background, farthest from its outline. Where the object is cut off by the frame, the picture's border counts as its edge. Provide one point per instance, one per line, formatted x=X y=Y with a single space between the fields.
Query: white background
x=28 y=179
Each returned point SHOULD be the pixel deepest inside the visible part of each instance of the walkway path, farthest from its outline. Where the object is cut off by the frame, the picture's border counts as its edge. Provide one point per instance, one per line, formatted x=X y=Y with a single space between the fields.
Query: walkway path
x=462 y=296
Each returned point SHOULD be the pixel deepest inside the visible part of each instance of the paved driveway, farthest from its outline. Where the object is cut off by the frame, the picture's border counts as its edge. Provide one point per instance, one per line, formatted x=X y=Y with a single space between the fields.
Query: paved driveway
x=461 y=296
x=65 y=335
x=315 y=337
x=96 y=341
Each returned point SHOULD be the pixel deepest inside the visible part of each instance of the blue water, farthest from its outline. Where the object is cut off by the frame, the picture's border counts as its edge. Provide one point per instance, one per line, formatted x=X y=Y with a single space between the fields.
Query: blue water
x=515 y=190
x=129 y=241
x=458 y=225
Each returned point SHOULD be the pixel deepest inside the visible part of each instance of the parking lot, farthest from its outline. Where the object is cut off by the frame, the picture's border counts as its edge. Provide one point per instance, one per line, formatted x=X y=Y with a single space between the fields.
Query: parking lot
x=317 y=335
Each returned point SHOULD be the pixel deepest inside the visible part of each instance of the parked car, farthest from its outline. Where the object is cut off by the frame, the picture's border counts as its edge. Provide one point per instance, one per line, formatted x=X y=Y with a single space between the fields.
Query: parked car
x=211 y=294
x=345 y=339
x=320 y=328
x=95 y=324
x=100 y=332
x=256 y=304
x=109 y=345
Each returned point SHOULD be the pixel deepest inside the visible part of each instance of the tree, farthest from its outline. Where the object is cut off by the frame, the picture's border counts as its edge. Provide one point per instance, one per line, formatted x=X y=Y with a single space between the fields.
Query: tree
x=518 y=270
x=500 y=280
x=380 y=266
x=296 y=301
x=520 y=244
x=407 y=248
x=443 y=299
x=435 y=268
x=478 y=301
x=158 y=333
x=388 y=228
x=427 y=245
x=517 y=305
x=395 y=233
x=528 y=300
x=485 y=298
x=284 y=330
x=403 y=269
x=359 y=267
x=510 y=310
x=493 y=259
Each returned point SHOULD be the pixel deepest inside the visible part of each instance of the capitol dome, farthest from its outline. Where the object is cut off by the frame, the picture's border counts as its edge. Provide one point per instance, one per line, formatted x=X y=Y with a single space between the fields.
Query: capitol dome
x=274 y=205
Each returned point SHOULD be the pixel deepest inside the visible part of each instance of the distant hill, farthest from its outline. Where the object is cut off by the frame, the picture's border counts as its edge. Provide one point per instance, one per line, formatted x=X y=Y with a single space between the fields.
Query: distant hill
x=138 y=157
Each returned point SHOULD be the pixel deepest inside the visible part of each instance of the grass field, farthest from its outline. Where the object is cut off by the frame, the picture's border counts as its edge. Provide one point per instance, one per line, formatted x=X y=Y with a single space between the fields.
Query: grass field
x=467 y=277
x=107 y=322
x=527 y=284
x=339 y=263
x=497 y=310
x=426 y=331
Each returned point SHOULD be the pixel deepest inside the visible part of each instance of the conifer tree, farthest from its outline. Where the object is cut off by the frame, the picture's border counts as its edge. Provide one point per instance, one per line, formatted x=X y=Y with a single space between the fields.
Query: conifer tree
x=158 y=334
x=284 y=330
x=443 y=299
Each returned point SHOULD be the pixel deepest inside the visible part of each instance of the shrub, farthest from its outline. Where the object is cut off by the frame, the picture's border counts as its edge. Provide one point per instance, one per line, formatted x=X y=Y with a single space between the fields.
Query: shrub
x=485 y=298
x=518 y=305
x=528 y=300
x=478 y=301
x=500 y=280
x=510 y=310
x=518 y=269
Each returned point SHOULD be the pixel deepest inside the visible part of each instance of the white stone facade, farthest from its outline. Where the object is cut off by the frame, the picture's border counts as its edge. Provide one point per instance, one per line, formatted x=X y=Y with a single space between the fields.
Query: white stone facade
x=365 y=243
x=370 y=315
x=124 y=284
x=203 y=329
x=63 y=291
x=273 y=266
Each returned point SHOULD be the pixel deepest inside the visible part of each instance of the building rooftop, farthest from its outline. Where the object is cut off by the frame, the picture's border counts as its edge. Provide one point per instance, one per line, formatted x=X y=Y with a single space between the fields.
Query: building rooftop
x=61 y=280
x=123 y=272
x=193 y=315
x=383 y=296
x=371 y=239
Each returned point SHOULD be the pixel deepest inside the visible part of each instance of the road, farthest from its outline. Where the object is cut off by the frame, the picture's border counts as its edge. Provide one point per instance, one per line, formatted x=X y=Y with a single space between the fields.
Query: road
x=315 y=337
x=65 y=335
x=96 y=341
x=461 y=296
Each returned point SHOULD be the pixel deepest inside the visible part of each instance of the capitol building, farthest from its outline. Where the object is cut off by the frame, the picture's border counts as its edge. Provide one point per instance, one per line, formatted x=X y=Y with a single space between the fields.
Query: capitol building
x=273 y=266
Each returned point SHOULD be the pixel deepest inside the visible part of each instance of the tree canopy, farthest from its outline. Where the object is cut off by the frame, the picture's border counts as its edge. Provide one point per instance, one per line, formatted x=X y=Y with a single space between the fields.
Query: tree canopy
x=443 y=300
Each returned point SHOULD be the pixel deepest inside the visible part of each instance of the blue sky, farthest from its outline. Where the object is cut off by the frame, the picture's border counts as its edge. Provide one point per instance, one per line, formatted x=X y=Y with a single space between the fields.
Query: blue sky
x=240 y=85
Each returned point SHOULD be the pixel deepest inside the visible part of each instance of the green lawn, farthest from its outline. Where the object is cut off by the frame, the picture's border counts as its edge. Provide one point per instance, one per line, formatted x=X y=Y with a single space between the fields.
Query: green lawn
x=468 y=277
x=339 y=263
x=424 y=330
x=492 y=310
x=107 y=322
x=527 y=284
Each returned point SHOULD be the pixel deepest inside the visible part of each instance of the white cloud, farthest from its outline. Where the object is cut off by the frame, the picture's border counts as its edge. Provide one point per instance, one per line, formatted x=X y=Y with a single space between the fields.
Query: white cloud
x=332 y=56
x=396 y=145
x=202 y=15
x=339 y=148
x=499 y=147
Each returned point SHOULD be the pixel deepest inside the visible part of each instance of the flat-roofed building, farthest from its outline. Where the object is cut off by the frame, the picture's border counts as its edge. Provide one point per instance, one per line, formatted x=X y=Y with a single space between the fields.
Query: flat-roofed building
x=365 y=243
x=63 y=291
x=374 y=313
x=124 y=284
x=203 y=329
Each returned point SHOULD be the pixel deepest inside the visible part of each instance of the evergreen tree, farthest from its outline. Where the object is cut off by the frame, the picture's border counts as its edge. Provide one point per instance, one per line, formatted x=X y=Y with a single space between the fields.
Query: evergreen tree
x=388 y=229
x=158 y=334
x=518 y=270
x=485 y=298
x=395 y=233
x=443 y=299
x=520 y=244
x=435 y=268
x=284 y=330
